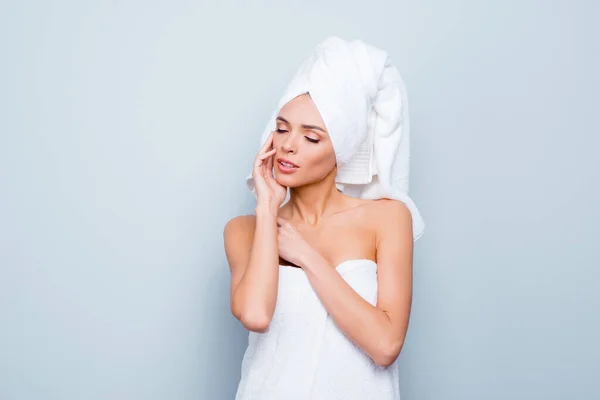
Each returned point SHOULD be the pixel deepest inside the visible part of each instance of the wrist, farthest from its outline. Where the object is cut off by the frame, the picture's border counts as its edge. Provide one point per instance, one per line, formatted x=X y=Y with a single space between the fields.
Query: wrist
x=311 y=259
x=266 y=209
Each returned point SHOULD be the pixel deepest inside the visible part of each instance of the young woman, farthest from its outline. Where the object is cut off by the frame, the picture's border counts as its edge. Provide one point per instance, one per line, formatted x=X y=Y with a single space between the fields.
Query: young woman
x=323 y=281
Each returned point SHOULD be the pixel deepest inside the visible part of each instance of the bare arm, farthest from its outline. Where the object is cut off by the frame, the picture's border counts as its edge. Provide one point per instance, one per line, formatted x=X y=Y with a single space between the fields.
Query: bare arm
x=379 y=330
x=251 y=249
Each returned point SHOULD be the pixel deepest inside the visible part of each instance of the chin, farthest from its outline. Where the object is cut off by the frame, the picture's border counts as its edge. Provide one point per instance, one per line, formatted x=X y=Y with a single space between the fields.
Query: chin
x=286 y=181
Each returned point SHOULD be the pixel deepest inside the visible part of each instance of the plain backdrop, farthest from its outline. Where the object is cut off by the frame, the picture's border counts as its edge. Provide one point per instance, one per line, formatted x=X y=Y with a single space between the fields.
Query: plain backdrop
x=127 y=129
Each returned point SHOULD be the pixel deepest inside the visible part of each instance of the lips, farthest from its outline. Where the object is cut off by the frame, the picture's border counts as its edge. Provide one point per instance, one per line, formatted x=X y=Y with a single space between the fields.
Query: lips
x=286 y=166
x=286 y=163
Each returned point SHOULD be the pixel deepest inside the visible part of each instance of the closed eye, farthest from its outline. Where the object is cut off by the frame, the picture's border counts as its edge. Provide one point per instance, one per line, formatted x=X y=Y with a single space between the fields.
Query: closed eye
x=307 y=138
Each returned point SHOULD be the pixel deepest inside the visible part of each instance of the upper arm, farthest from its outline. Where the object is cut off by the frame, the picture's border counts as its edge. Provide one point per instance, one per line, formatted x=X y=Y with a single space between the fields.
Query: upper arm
x=238 y=236
x=394 y=264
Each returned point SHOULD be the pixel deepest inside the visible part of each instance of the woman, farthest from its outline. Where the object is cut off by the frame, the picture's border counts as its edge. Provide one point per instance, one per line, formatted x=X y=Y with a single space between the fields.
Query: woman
x=323 y=282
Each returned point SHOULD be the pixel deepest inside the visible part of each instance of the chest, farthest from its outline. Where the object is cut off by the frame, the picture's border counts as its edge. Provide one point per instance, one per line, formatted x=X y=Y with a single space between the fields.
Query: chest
x=340 y=241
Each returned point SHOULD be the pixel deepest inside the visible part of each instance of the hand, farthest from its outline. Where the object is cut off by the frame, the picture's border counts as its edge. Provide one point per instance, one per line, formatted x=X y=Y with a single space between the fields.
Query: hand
x=268 y=190
x=292 y=245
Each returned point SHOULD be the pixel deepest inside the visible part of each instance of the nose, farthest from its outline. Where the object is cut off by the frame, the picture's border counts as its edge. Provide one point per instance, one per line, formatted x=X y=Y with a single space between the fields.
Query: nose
x=288 y=144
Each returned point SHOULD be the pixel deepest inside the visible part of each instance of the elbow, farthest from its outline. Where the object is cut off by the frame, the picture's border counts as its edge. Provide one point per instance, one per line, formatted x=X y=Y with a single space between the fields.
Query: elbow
x=255 y=322
x=388 y=354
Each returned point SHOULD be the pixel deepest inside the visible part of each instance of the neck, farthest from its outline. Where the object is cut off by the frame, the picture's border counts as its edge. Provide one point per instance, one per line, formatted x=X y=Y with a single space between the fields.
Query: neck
x=311 y=203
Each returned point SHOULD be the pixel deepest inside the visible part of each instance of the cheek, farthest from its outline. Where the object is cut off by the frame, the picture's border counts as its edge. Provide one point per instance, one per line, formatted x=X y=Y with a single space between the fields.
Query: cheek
x=327 y=157
x=331 y=159
x=322 y=162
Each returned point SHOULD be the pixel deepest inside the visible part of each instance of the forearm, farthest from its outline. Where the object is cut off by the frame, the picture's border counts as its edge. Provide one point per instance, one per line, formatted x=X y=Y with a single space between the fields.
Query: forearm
x=367 y=326
x=256 y=294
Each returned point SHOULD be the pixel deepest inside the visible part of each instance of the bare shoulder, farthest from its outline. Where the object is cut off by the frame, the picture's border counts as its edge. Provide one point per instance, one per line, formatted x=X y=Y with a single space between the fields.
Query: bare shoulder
x=238 y=235
x=384 y=209
x=393 y=238
x=391 y=216
x=239 y=225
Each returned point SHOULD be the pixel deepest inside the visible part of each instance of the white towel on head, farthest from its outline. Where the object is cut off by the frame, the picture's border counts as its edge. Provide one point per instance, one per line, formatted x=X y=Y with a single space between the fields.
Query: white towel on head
x=362 y=99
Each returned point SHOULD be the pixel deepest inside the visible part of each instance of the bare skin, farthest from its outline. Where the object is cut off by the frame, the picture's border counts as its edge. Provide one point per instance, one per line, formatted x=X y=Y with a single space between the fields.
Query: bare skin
x=316 y=230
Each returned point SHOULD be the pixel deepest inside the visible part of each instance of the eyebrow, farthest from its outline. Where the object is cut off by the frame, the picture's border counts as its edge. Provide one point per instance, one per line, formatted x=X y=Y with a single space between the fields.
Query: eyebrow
x=304 y=125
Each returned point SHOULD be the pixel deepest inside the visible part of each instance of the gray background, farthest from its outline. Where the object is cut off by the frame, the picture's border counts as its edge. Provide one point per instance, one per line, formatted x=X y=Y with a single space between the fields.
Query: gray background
x=127 y=129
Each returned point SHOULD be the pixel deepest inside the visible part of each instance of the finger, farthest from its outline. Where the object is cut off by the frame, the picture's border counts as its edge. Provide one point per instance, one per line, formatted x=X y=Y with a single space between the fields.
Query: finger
x=261 y=152
x=260 y=158
x=258 y=162
x=267 y=143
x=266 y=170
x=267 y=154
x=270 y=163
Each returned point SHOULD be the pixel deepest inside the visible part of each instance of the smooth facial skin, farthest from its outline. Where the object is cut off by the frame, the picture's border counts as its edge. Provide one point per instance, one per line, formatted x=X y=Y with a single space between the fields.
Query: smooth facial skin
x=302 y=138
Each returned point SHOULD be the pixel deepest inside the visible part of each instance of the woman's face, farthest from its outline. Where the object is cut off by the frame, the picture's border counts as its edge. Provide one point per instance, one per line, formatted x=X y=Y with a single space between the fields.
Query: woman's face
x=301 y=138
